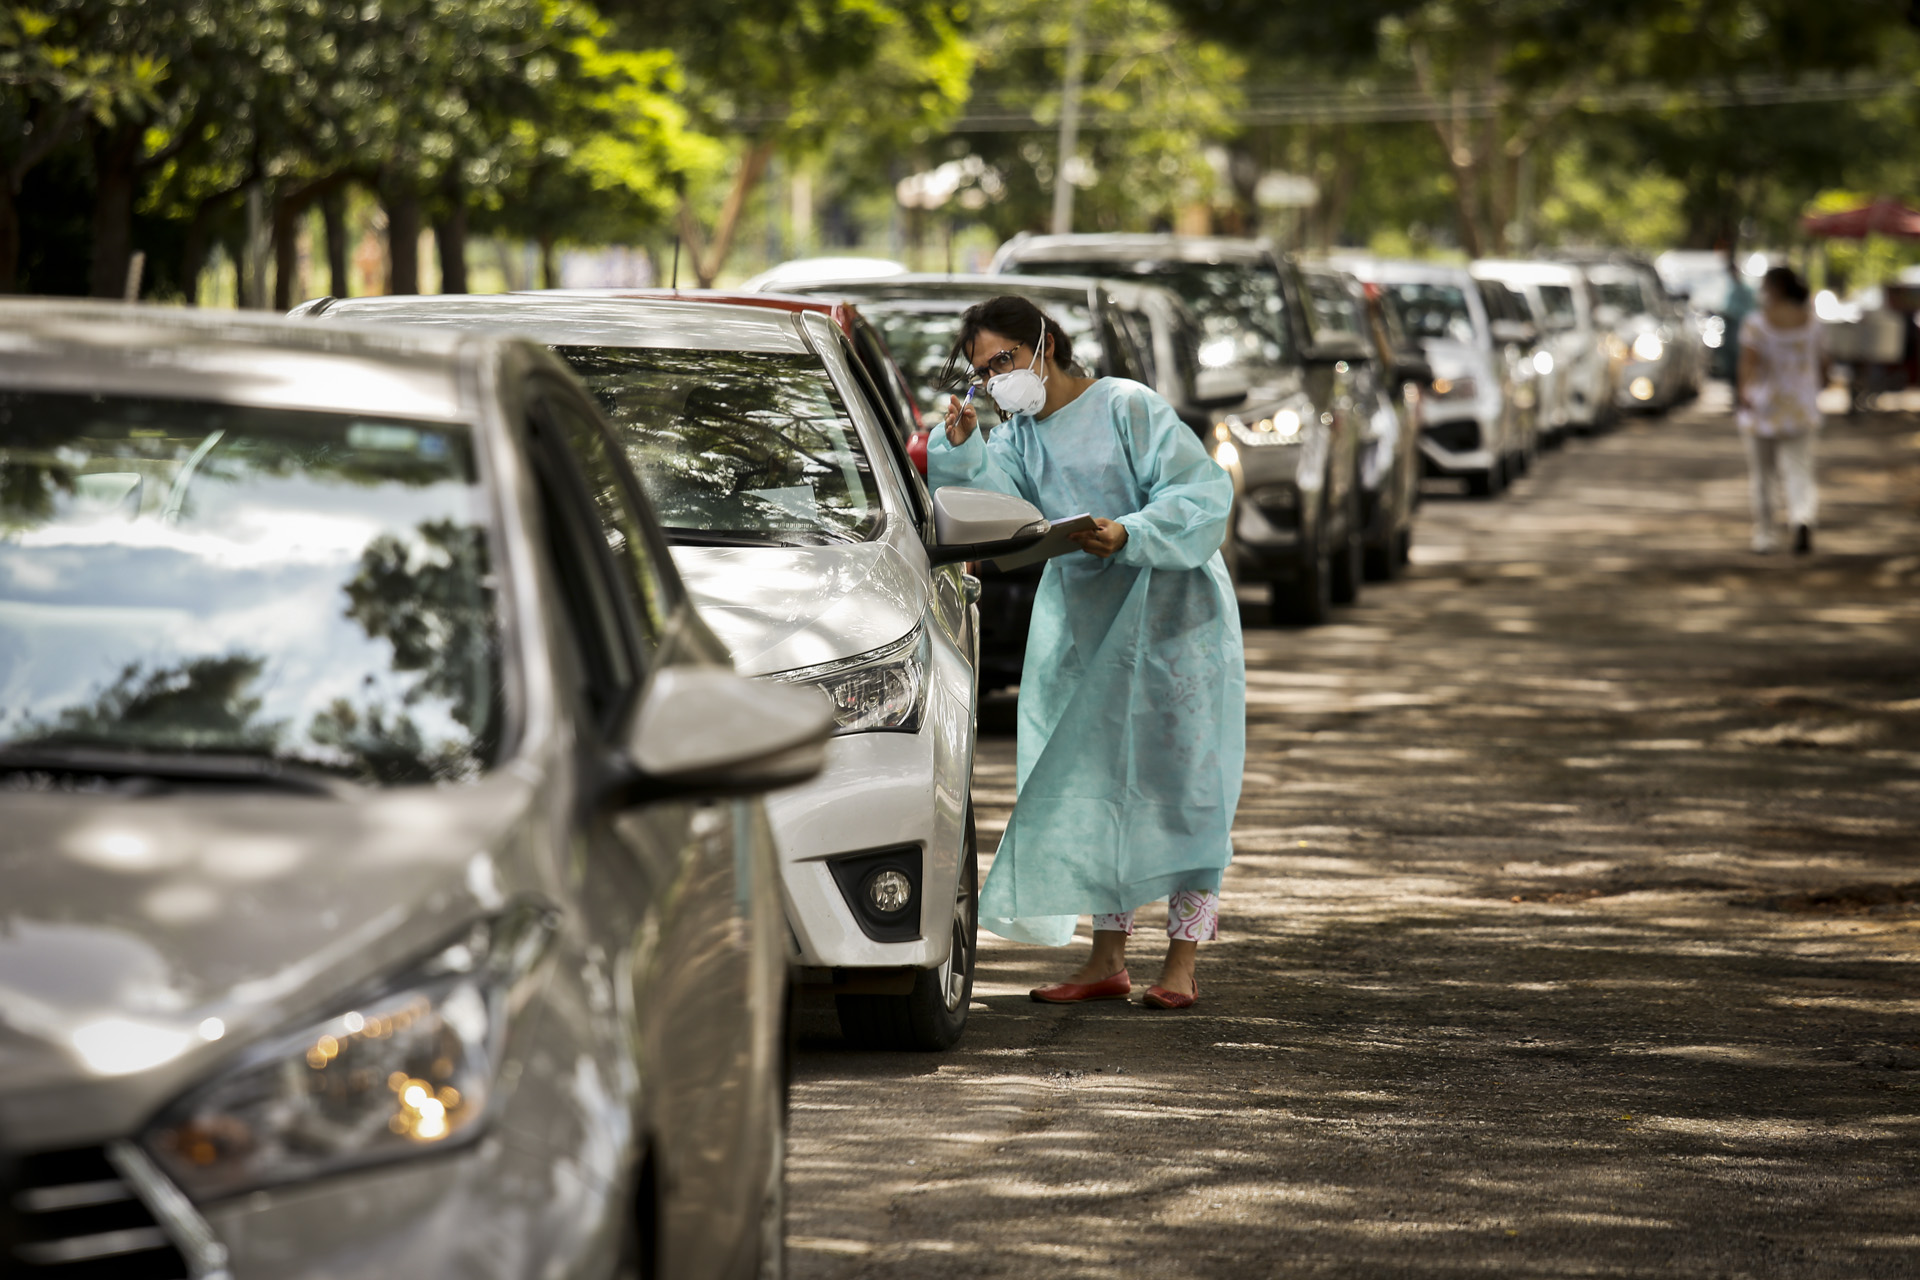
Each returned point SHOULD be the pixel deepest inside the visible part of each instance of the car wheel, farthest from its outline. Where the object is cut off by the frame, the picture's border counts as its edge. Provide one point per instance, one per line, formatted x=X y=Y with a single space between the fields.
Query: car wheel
x=931 y=1016
x=1384 y=561
x=1349 y=556
x=1403 y=547
x=1484 y=484
x=1307 y=600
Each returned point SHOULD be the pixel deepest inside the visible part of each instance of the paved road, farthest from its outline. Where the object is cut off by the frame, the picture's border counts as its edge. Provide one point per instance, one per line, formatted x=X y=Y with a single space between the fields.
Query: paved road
x=1572 y=932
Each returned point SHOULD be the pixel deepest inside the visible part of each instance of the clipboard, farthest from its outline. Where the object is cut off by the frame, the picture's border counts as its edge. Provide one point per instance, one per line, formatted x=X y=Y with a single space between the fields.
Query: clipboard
x=1057 y=542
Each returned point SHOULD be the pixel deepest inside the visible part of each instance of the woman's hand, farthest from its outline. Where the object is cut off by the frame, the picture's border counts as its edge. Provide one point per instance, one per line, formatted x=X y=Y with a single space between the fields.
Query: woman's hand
x=1106 y=538
x=961 y=420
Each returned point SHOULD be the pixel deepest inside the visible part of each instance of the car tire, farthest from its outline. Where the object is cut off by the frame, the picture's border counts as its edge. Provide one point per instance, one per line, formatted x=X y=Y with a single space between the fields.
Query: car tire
x=933 y=1015
x=1484 y=484
x=1403 y=548
x=1307 y=599
x=1349 y=557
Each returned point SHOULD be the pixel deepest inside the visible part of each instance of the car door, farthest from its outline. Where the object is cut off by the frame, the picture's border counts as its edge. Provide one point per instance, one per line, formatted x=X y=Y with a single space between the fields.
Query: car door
x=681 y=966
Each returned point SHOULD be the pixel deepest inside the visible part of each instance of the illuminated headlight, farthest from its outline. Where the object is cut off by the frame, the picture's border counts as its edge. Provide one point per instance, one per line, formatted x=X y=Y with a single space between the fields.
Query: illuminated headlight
x=1543 y=363
x=407 y=1069
x=882 y=689
x=1226 y=455
x=1641 y=388
x=1282 y=428
x=1453 y=388
x=1648 y=347
x=1216 y=354
x=1713 y=331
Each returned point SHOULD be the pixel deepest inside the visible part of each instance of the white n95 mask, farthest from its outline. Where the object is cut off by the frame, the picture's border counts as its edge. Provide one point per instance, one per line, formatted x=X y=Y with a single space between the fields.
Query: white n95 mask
x=1019 y=390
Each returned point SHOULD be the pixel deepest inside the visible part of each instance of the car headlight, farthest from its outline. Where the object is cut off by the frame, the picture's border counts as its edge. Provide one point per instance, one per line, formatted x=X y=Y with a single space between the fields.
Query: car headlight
x=1543 y=363
x=1282 y=428
x=1648 y=347
x=406 y=1069
x=1454 y=388
x=882 y=689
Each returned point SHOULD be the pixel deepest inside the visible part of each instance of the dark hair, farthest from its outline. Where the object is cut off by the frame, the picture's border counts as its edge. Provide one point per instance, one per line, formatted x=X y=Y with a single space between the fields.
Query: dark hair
x=1013 y=316
x=1786 y=283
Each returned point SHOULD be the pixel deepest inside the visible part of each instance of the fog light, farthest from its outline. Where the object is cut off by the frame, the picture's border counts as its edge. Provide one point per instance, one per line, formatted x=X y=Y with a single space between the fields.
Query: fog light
x=889 y=891
x=1641 y=388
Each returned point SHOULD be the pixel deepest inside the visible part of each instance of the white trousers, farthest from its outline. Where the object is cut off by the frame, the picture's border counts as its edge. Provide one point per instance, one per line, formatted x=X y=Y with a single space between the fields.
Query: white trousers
x=1781 y=466
x=1192 y=916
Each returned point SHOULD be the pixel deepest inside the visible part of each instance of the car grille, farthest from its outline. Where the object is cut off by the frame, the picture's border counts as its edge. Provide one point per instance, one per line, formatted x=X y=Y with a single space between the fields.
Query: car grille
x=68 y=1215
x=1455 y=437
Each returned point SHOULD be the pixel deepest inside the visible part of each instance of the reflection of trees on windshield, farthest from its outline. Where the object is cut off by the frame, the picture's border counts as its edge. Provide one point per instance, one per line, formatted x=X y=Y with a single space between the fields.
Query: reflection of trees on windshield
x=921 y=339
x=1239 y=302
x=754 y=443
x=203 y=704
x=425 y=598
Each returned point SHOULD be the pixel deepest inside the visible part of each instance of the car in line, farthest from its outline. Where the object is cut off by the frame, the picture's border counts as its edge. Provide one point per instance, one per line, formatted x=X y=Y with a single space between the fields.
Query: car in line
x=1281 y=405
x=1472 y=429
x=1386 y=390
x=1656 y=341
x=1577 y=374
x=812 y=547
x=387 y=887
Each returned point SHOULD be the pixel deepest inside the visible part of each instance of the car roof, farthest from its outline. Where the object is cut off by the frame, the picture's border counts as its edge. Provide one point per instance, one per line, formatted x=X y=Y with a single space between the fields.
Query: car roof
x=569 y=320
x=235 y=357
x=1514 y=271
x=1135 y=247
x=1400 y=271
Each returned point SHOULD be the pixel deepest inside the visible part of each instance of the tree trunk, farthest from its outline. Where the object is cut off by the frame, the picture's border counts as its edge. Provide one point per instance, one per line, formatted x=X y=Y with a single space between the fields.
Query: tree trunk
x=9 y=239
x=549 y=274
x=199 y=243
x=333 y=209
x=450 y=240
x=403 y=238
x=709 y=256
x=286 y=249
x=116 y=164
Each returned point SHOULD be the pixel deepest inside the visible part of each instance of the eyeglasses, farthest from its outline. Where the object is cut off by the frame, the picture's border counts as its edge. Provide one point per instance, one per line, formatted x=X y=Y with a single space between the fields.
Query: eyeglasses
x=998 y=364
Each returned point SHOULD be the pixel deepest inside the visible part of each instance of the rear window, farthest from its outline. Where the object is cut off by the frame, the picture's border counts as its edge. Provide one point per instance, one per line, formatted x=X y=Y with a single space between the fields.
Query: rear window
x=747 y=448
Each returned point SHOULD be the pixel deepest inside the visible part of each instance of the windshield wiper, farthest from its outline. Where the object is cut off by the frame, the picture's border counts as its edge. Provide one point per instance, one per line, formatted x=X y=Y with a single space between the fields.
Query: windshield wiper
x=223 y=768
x=683 y=537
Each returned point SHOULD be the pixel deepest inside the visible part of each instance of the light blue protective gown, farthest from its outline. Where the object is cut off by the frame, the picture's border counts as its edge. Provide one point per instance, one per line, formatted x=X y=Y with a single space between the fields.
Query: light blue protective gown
x=1133 y=697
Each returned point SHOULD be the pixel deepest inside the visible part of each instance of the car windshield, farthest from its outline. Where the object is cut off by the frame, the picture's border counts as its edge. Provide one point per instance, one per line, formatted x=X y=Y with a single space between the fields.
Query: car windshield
x=184 y=576
x=920 y=334
x=1558 y=300
x=1623 y=293
x=1240 y=305
x=1432 y=310
x=736 y=447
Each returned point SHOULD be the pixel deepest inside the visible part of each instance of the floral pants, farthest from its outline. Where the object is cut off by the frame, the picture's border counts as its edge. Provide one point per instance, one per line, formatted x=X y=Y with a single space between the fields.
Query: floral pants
x=1192 y=916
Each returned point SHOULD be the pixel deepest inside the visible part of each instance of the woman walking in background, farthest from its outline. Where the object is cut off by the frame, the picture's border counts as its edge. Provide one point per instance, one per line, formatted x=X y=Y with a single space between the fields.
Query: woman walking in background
x=1132 y=727
x=1783 y=367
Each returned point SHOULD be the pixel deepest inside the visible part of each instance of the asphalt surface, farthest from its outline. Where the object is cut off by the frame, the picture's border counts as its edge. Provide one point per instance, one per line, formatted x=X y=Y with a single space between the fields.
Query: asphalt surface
x=1571 y=932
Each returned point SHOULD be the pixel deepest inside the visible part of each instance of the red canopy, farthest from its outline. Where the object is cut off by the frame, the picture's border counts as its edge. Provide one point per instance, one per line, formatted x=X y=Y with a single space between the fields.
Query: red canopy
x=1881 y=218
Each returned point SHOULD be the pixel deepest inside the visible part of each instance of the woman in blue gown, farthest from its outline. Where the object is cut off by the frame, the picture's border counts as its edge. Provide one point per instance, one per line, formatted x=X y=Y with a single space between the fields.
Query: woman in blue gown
x=1132 y=724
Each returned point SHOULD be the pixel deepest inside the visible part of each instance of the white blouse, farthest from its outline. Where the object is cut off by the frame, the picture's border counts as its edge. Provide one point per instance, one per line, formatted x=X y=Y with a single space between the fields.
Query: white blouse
x=1786 y=396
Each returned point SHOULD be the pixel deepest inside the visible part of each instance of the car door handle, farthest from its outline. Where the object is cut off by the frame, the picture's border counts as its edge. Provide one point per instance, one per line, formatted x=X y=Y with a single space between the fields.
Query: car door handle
x=970 y=588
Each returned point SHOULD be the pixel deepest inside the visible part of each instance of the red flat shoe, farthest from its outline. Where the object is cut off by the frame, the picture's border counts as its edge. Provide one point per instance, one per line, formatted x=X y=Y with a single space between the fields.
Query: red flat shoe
x=1159 y=997
x=1118 y=987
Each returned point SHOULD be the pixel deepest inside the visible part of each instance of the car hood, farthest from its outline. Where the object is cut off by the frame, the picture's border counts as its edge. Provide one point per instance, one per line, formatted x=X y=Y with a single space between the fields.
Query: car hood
x=153 y=915
x=778 y=608
x=1451 y=358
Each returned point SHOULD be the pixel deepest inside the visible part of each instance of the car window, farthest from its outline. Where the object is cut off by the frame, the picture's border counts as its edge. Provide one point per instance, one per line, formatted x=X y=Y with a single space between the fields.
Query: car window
x=1139 y=331
x=189 y=576
x=622 y=526
x=1558 y=301
x=577 y=554
x=1332 y=303
x=1622 y=292
x=1240 y=304
x=892 y=404
x=1122 y=360
x=906 y=475
x=1432 y=310
x=736 y=448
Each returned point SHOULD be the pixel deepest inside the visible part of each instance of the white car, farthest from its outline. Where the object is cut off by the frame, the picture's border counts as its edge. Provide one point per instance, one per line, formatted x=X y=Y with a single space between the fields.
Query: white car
x=1472 y=427
x=1577 y=374
x=809 y=543
x=1656 y=342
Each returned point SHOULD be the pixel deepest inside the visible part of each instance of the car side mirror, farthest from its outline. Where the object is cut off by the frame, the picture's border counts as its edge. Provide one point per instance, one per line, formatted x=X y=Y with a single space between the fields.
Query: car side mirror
x=1221 y=388
x=704 y=731
x=979 y=524
x=1516 y=331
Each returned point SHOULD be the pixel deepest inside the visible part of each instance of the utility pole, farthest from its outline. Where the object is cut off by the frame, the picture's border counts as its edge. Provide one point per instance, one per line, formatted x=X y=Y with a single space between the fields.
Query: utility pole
x=1069 y=120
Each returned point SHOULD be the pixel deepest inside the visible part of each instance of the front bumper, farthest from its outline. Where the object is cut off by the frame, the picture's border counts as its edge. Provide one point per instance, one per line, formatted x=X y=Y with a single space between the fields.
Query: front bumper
x=878 y=791
x=1455 y=446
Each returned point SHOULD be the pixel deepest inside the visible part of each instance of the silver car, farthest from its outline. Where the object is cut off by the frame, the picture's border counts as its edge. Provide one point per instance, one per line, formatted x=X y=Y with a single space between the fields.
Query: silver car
x=812 y=548
x=385 y=894
x=1577 y=374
